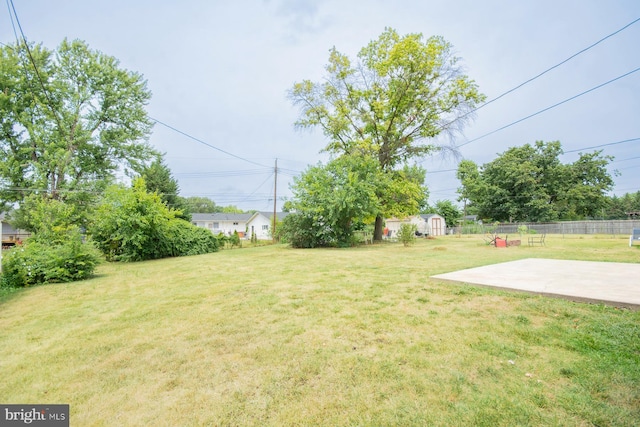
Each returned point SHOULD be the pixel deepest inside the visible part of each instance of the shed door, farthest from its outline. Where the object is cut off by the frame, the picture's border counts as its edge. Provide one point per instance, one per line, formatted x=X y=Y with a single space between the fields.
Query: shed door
x=436 y=226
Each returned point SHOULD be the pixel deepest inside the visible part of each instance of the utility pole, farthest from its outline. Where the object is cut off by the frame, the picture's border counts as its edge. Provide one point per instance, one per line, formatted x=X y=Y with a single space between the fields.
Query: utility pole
x=275 y=194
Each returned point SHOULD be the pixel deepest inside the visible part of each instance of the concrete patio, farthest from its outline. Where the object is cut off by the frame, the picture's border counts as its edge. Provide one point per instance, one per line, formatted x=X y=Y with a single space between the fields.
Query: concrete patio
x=610 y=283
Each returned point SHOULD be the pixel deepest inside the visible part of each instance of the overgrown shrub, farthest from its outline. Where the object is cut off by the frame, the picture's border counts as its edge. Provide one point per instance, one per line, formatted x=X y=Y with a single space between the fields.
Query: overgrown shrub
x=300 y=231
x=131 y=224
x=38 y=262
x=181 y=238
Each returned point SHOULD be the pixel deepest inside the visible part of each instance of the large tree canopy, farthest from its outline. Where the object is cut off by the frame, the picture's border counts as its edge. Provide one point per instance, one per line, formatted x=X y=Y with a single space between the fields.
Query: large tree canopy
x=68 y=118
x=332 y=201
x=529 y=183
x=401 y=93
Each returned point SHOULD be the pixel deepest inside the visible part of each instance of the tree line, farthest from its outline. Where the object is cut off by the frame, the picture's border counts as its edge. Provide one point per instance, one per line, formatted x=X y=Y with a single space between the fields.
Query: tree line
x=70 y=118
x=529 y=183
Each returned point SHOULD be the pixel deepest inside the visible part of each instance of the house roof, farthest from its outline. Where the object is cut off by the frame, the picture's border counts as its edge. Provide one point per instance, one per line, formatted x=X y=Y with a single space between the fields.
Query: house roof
x=279 y=215
x=427 y=216
x=219 y=216
x=244 y=217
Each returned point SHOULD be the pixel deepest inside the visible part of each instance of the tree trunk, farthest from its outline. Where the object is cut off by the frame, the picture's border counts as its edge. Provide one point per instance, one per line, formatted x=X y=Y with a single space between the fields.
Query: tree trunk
x=377 y=232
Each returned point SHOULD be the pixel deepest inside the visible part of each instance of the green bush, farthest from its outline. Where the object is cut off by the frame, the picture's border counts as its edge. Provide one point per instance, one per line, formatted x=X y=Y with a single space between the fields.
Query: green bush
x=407 y=233
x=301 y=231
x=234 y=239
x=38 y=262
x=181 y=238
x=222 y=240
x=131 y=224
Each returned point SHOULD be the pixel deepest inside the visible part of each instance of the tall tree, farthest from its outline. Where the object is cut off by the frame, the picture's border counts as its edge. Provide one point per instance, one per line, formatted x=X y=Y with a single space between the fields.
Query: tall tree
x=390 y=105
x=198 y=204
x=472 y=185
x=529 y=183
x=157 y=177
x=68 y=118
x=331 y=201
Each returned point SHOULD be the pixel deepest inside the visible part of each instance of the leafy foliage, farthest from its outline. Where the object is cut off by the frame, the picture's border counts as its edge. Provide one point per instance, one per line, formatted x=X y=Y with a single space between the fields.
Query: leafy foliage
x=332 y=201
x=158 y=179
x=197 y=204
x=180 y=238
x=47 y=217
x=529 y=183
x=131 y=224
x=402 y=92
x=234 y=239
x=447 y=210
x=619 y=207
x=86 y=119
x=407 y=233
x=55 y=252
x=40 y=260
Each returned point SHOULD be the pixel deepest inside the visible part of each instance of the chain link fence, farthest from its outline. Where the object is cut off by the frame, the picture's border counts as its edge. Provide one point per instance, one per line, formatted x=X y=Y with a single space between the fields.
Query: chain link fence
x=610 y=227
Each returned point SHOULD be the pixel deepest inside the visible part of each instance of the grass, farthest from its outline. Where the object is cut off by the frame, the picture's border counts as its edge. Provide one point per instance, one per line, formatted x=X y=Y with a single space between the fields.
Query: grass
x=275 y=336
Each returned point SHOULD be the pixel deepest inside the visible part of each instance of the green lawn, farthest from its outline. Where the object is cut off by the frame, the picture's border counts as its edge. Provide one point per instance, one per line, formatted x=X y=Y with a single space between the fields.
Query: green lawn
x=276 y=336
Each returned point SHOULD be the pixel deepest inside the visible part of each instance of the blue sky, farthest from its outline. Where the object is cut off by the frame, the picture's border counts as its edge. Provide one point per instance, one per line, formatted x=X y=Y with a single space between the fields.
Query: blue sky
x=219 y=71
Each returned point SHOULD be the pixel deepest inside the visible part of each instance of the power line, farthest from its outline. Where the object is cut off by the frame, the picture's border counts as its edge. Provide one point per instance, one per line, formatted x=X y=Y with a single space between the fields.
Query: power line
x=441 y=171
x=206 y=143
x=544 y=72
x=550 y=107
x=223 y=174
x=603 y=145
x=624 y=160
x=566 y=152
x=35 y=66
x=558 y=64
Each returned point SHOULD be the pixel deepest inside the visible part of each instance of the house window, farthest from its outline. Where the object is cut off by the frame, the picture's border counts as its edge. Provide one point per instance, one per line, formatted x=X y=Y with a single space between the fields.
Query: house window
x=216 y=225
x=265 y=228
x=210 y=224
x=235 y=223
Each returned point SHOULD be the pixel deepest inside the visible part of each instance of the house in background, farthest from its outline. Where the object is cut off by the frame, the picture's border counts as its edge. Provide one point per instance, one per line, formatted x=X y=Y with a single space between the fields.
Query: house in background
x=261 y=223
x=222 y=222
x=10 y=235
x=427 y=224
x=245 y=224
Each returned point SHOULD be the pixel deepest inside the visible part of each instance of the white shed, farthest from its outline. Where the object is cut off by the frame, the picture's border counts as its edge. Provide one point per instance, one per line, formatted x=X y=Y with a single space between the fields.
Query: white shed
x=429 y=224
x=432 y=224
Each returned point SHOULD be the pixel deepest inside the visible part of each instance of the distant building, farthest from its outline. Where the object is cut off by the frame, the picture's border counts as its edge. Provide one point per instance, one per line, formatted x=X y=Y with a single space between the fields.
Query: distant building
x=222 y=222
x=426 y=224
x=10 y=235
x=245 y=224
